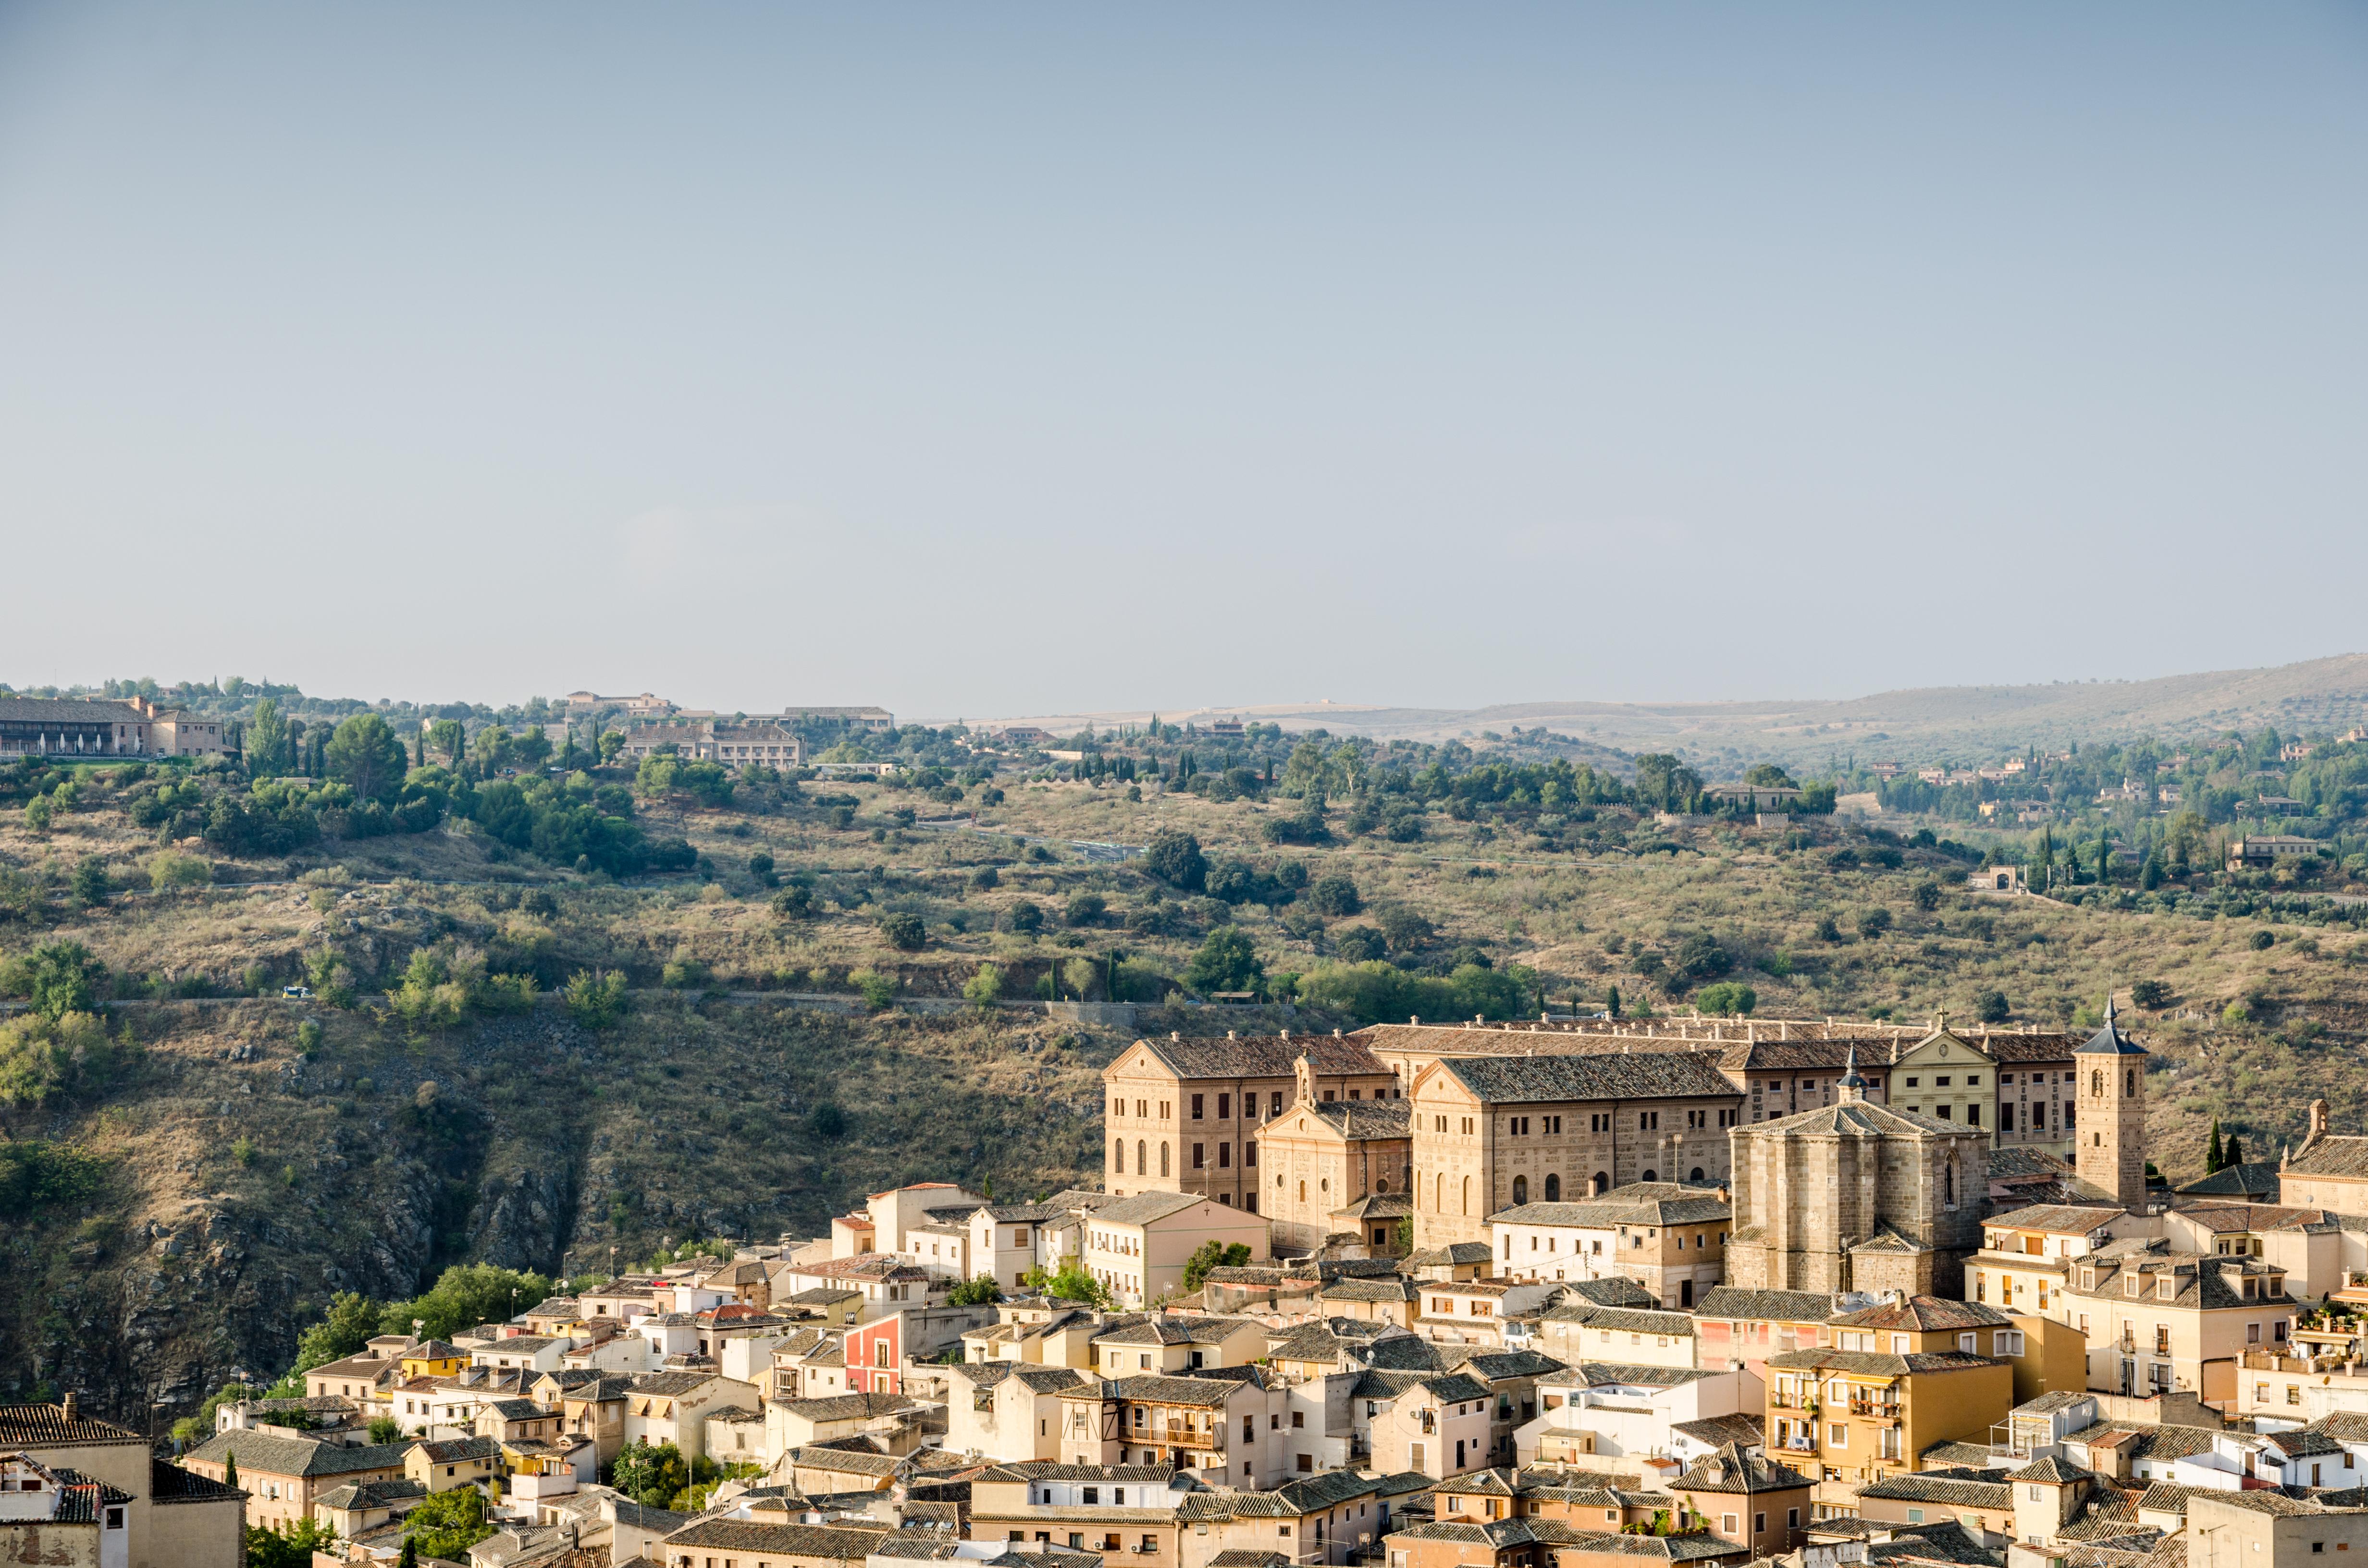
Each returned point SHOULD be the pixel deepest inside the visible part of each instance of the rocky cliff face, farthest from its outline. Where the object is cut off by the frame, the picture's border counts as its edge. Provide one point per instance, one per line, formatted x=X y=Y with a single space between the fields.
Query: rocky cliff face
x=248 y=1182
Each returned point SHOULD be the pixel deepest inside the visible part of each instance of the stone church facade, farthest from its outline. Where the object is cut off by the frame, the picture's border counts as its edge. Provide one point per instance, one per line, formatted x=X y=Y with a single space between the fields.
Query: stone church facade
x=1857 y=1195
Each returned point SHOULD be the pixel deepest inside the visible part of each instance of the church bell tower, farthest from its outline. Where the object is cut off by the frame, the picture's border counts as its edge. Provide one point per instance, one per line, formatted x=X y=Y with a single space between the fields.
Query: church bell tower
x=2110 y=1151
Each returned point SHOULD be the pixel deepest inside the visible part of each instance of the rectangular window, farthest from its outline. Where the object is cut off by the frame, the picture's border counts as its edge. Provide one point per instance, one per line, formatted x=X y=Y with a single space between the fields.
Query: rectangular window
x=1196 y=1108
x=1275 y=1103
x=1199 y=1157
x=1225 y=1108
x=1225 y=1156
x=1973 y=1115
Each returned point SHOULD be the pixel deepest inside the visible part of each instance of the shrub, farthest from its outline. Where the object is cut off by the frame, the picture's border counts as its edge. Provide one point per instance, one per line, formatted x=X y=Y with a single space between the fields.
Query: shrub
x=793 y=902
x=1991 y=1008
x=595 y=999
x=1874 y=922
x=168 y=869
x=984 y=877
x=243 y=1151
x=828 y=1121
x=1022 y=917
x=1085 y=909
x=2265 y=940
x=308 y=1037
x=89 y=883
x=760 y=866
x=1927 y=894
x=35 y=1174
x=1727 y=998
x=2149 y=993
x=1175 y=858
x=681 y=975
x=1360 y=944
x=1335 y=893
x=1226 y=961
x=877 y=990
x=980 y=1291
x=903 y=930
x=63 y=977
x=982 y=988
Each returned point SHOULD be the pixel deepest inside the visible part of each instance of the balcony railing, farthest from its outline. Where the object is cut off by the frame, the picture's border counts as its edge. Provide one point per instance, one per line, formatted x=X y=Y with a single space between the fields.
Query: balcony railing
x=1177 y=1437
x=1886 y=1410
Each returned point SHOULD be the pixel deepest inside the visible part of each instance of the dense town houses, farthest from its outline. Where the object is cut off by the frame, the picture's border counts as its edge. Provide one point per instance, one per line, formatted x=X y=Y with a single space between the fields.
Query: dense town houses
x=1416 y=1297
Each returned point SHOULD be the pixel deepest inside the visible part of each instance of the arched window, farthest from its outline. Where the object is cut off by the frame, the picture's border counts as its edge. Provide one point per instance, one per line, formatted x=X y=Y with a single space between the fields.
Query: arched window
x=2130 y=1082
x=1651 y=1176
x=1553 y=1188
x=2097 y=1084
x=1302 y=1192
x=1163 y=1159
x=1949 y=1184
x=1520 y=1190
x=1600 y=1185
x=1697 y=1174
x=1438 y=1193
x=1140 y=1167
x=1118 y=1156
x=1467 y=1195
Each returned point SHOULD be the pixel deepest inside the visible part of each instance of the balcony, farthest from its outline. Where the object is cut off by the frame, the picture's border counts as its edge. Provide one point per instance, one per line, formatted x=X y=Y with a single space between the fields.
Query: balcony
x=1175 y=1437
x=1880 y=1410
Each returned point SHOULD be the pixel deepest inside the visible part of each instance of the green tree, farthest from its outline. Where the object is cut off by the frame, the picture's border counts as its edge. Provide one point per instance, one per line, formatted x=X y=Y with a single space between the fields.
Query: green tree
x=2212 y=1157
x=650 y=1474
x=982 y=988
x=903 y=930
x=1213 y=1255
x=343 y=1331
x=385 y=1429
x=2235 y=1152
x=64 y=977
x=450 y=737
x=90 y=881
x=230 y=1469
x=1175 y=858
x=289 y=1548
x=446 y=1524
x=1612 y=1000
x=463 y=1296
x=270 y=750
x=1070 y=1284
x=409 y=1556
x=1991 y=1008
x=876 y=989
x=595 y=998
x=1226 y=961
x=366 y=758
x=976 y=1292
x=1727 y=998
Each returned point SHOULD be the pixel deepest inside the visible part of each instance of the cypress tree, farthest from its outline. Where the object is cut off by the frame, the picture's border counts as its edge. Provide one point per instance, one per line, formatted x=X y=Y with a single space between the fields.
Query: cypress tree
x=230 y=1469
x=2235 y=1152
x=2213 y=1158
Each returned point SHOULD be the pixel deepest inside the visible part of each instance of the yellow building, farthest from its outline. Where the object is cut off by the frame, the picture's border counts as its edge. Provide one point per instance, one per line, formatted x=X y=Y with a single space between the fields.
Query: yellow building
x=434 y=1359
x=1849 y=1418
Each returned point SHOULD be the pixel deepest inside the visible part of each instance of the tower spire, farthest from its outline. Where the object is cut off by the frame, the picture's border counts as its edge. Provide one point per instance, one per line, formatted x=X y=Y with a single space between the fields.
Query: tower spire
x=1853 y=1088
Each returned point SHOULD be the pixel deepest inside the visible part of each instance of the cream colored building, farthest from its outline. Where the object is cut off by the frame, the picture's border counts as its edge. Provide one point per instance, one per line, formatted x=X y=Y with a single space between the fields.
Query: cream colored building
x=1137 y=1246
x=1321 y=1156
x=1669 y=1238
x=1183 y=1114
x=2165 y=1322
x=1493 y=1132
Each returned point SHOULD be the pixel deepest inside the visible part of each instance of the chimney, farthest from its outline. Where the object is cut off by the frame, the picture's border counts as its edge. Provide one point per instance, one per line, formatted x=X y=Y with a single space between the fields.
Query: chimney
x=66 y=1405
x=2318 y=1119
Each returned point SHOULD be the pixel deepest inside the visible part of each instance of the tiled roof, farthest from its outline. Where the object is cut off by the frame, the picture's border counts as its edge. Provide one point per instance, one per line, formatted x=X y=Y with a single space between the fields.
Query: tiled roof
x=669 y=1385
x=1733 y=1470
x=1146 y=1208
x=1953 y=1491
x=1377 y=1206
x=785 y=1541
x=1860 y=1118
x=1925 y=1314
x=1151 y=1388
x=1874 y=1364
x=1450 y=1255
x=2057 y=1219
x=2240 y=1180
x=258 y=1453
x=2329 y=1154
x=1365 y=1119
x=1619 y=1321
x=448 y=1450
x=2050 y=1470
x=68 y=710
x=1659 y=1203
x=1734 y=1303
x=1659 y=1075
x=1264 y=1056
x=1053 y=1469
x=1721 y=1430
x=844 y=1407
x=46 y=1425
x=1392 y=1289
x=171 y=1483
x=1615 y=1290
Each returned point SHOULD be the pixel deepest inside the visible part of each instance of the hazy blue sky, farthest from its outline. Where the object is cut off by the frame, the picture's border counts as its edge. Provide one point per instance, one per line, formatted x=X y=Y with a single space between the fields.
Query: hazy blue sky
x=987 y=360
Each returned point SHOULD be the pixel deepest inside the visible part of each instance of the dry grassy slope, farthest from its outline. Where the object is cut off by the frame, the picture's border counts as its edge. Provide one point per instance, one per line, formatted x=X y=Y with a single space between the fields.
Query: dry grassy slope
x=536 y=1137
x=693 y=1117
x=1918 y=723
